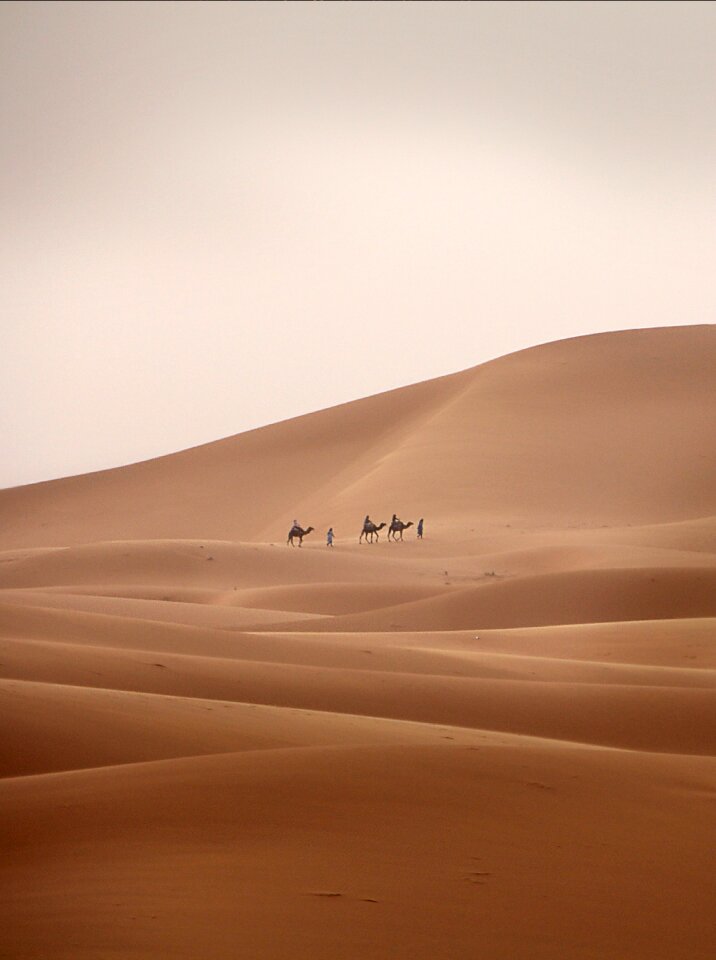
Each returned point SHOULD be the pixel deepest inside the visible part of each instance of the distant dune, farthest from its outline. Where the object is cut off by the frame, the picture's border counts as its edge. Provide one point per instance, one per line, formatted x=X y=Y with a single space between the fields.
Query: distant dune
x=496 y=741
x=611 y=429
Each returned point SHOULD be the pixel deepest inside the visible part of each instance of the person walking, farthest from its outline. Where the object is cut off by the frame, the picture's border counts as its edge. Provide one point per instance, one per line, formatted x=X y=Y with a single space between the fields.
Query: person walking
x=329 y=537
x=420 y=529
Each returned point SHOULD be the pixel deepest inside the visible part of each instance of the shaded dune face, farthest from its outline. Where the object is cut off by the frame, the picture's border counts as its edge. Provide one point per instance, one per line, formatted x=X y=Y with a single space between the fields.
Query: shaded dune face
x=498 y=738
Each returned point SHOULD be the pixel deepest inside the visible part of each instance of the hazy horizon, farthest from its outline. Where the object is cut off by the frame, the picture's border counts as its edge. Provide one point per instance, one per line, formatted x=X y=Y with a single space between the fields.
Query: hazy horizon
x=217 y=216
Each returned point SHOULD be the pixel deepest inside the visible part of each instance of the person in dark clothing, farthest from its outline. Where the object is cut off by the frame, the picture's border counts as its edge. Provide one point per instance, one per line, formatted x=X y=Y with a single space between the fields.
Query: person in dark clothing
x=420 y=529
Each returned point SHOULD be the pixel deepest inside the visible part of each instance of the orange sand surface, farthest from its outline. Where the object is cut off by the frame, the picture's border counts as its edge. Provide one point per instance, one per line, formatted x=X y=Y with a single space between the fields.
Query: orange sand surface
x=498 y=741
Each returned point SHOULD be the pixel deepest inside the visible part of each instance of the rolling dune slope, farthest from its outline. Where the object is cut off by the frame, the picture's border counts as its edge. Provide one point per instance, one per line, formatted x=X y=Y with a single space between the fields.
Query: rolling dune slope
x=609 y=429
x=497 y=740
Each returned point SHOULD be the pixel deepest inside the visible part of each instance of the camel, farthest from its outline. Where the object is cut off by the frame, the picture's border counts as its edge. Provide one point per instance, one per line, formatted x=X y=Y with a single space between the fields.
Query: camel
x=369 y=530
x=397 y=528
x=296 y=533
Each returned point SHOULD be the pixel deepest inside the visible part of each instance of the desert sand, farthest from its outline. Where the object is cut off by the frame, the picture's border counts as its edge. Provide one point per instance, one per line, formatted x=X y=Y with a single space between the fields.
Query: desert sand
x=498 y=741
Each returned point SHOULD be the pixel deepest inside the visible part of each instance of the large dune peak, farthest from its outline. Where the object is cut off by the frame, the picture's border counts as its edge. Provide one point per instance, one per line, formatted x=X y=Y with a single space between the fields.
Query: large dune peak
x=599 y=430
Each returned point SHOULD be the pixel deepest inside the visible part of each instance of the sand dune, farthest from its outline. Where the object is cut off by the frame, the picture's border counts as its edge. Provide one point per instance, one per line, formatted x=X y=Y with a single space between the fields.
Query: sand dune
x=608 y=429
x=655 y=711
x=581 y=596
x=340 y=847
x=222 y=616
x=498 y=740
x=194 y=564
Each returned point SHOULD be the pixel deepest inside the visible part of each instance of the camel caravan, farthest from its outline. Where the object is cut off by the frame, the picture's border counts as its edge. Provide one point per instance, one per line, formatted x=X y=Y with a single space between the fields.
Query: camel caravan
x=370 y=532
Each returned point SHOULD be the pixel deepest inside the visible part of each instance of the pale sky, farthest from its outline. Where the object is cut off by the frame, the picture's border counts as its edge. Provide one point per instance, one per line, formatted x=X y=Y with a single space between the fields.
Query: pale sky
x=220 y=215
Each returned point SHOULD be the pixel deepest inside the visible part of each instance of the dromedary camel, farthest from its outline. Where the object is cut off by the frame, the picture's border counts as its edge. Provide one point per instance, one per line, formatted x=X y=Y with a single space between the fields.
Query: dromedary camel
x=296 y=533
x=397 y=527
x=370 y=530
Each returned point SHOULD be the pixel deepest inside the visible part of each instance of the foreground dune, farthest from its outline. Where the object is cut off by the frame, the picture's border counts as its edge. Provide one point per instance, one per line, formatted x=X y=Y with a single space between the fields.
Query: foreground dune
x=370 y=850
x=498 y=741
